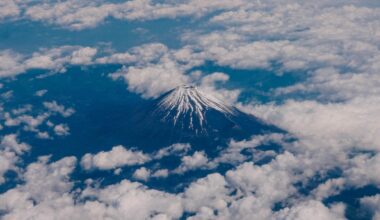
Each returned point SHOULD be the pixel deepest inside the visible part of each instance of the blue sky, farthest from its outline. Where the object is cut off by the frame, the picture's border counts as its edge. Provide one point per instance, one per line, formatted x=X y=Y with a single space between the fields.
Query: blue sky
x=72 y=71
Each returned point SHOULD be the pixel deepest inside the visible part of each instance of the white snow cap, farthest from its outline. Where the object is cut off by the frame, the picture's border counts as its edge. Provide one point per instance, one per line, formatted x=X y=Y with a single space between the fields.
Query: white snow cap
x=188 y=99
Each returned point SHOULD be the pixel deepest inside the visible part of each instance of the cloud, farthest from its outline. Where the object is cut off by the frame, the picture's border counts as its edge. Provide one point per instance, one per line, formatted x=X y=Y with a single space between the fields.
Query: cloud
x=49 y=59
x=332 y=112
x=341 y=125
x=57 y=58
x=10 y=143
x=56 y=108
x=153 y=80
x=154 y=70
x=331 y=136
x=31 y=123
x=41 y=93
x=248 y=190
x=47 y=193
x=44 y=194
x=8 y=8
x=329 y=188
x=10 y=151
x=269 y=35
x=141 y=55
x=175 y=149
x=312 y=210
x=161 y=173
x=372 y=203
x=211 y=191
x=233 y=153
x=117 y=157
x=330 y=84
x=196 y=161
x=87 y=14
x=83 y=56
x=213 y=78
x=357 y=174
x=271 y=182
x=24 y=109
x=142 y=174
x=73 y=14
x=23 y=118
x=43 y=135
x=128 y=200
x=62 y=130
x=10 y=63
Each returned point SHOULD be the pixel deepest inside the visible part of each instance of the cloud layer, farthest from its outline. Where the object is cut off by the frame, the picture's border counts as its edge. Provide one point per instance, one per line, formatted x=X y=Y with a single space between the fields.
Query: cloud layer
x=331 y=113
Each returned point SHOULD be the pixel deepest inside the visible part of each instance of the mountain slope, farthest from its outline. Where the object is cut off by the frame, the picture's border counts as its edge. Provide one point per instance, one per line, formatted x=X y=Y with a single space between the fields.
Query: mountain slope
x=186 y=114
x=187 y=108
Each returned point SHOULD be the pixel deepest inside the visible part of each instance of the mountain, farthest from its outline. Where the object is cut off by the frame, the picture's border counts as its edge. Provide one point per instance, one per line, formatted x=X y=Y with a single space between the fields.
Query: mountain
x=189 y=110
x=186 y=114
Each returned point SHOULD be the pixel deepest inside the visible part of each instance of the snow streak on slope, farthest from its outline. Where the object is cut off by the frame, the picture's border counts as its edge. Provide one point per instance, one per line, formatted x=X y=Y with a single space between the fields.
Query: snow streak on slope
x=188 y=101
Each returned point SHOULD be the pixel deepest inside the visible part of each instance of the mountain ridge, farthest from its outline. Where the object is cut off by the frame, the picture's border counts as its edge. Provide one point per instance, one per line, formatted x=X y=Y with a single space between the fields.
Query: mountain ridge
x=187 y=101
x=186 y=114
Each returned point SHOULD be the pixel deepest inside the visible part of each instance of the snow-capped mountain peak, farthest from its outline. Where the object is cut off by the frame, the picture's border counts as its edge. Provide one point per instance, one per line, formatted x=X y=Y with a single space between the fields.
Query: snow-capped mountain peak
x=187 y=114
x=187 y=101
